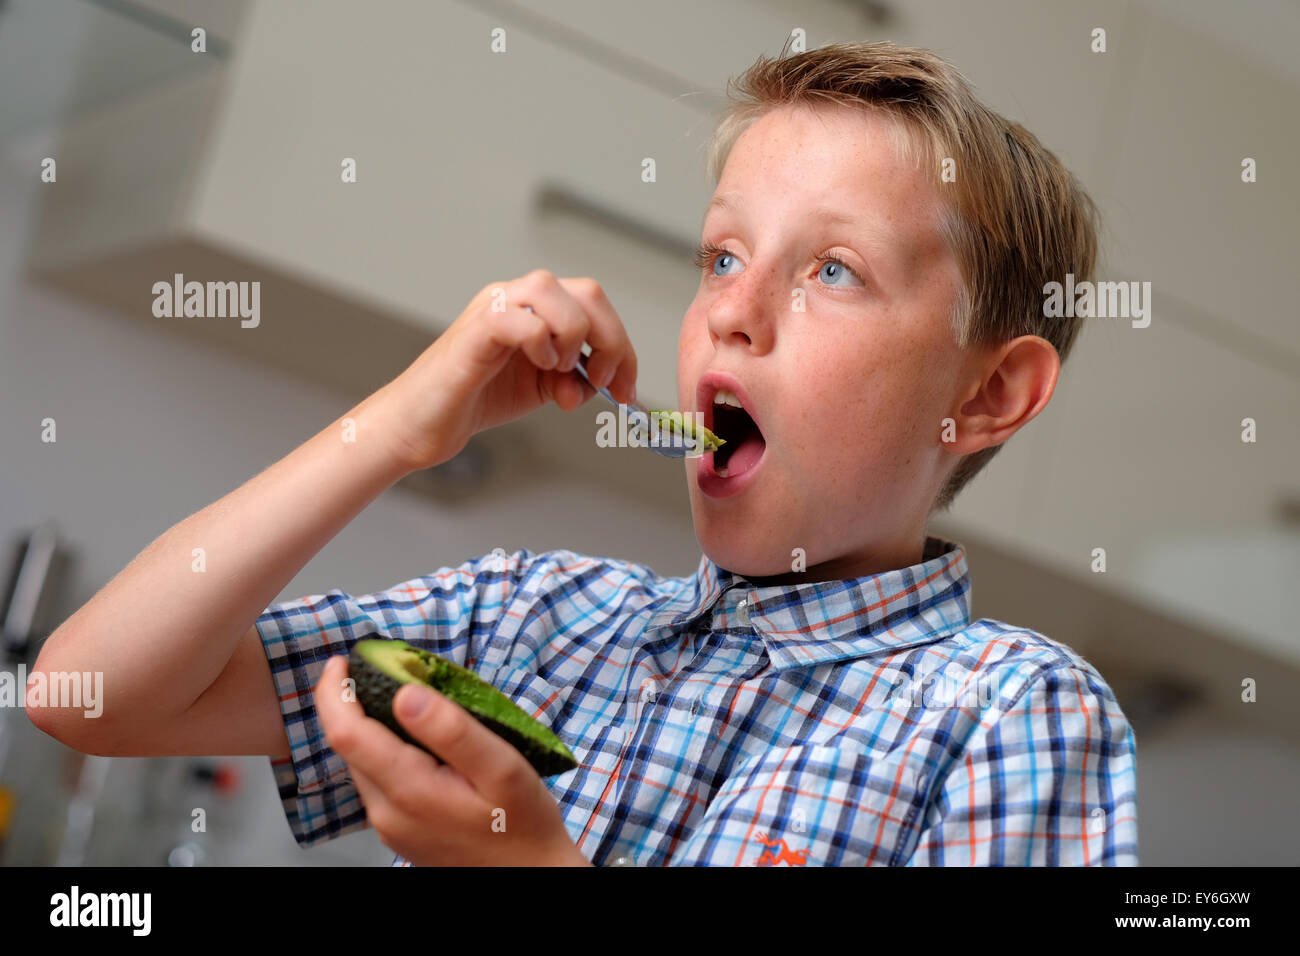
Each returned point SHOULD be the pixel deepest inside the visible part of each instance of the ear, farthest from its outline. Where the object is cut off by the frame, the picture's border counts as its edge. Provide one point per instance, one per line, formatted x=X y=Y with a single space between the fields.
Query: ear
x=1013 y=382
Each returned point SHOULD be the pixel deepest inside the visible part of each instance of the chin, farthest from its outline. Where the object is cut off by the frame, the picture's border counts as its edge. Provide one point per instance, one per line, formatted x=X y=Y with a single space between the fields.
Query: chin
x=746 y=550
x=739 y=561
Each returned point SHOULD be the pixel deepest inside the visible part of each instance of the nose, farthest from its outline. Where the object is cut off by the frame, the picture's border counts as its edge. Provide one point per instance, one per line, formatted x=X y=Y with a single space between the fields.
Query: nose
x=740 y=317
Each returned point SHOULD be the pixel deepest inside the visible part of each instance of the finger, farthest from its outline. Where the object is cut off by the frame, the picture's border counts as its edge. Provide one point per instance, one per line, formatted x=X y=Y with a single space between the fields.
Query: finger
x=342 y=719
x=489 y=764
x=330 y=696
x=362 y=742
x=377 y=806
x=400 y=805
x=566 y=389
x=612 y=363
x=519 y=328
x=569 y=390
x=566 y=318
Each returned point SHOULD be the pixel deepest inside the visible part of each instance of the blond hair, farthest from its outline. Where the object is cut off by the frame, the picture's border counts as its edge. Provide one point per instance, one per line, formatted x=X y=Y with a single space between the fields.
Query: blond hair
x=1014 y=218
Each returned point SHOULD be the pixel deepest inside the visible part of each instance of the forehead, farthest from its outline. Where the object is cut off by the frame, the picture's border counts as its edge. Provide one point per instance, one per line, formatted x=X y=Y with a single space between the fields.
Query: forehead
x=853 y=166
x=828 y=138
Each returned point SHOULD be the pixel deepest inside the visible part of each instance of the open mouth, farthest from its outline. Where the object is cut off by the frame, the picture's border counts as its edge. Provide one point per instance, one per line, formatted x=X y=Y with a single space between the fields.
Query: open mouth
x=744 y=441
x=729 y=413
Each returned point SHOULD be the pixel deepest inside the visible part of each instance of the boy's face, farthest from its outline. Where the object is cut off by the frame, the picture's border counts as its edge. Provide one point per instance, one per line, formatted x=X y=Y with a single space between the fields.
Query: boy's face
x=849 y=370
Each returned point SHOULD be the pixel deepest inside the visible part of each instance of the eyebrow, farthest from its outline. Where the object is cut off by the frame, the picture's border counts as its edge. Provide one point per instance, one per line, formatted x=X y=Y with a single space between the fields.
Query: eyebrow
x=825 y=213
x=719 y=202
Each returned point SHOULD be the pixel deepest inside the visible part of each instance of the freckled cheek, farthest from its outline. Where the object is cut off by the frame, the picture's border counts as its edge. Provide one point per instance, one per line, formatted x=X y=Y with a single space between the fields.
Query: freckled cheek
x=818 y=447
x=809 y=419
x=837 y=442
x=690 y=361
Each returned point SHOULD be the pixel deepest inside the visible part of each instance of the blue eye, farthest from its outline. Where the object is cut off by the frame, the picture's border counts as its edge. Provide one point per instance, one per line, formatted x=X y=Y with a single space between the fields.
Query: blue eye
x=833 y=269
x=723 y=260
x=707 y=255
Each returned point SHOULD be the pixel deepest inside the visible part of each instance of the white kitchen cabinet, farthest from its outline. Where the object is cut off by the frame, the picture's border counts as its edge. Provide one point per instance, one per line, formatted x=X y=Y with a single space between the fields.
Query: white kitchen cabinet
x=1140 y=453
x=454 y=144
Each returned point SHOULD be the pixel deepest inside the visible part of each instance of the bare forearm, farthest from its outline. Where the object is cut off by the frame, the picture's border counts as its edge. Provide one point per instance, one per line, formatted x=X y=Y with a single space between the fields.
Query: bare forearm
x=166 y=626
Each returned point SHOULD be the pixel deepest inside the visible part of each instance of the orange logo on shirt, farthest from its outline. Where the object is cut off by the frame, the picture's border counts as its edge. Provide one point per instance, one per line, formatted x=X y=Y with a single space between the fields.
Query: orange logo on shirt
x=768 y=858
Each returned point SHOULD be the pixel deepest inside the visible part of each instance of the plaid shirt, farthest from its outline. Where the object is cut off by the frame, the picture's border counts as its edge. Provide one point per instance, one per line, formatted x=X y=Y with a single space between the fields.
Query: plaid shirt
x=850 y=722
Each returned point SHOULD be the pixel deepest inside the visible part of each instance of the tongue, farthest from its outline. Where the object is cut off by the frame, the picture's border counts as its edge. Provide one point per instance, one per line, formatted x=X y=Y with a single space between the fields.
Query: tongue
x=748 y=451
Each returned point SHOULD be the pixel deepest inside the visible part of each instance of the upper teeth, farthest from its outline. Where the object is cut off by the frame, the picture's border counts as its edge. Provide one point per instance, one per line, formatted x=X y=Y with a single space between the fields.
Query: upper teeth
x=724 y=397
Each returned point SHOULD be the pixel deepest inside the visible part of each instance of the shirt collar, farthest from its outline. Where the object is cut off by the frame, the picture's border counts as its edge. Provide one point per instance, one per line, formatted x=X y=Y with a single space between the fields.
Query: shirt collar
x=823 y=621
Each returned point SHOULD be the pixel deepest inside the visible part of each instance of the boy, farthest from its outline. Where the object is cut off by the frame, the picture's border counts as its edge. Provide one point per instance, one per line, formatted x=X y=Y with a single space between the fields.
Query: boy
x=867 y=331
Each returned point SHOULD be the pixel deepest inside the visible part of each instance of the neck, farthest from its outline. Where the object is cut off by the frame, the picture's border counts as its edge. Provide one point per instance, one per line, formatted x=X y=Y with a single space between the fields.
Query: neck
x=868 y=561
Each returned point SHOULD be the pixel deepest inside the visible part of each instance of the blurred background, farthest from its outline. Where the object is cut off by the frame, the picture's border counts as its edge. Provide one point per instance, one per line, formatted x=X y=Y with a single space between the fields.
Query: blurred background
x=473 y=165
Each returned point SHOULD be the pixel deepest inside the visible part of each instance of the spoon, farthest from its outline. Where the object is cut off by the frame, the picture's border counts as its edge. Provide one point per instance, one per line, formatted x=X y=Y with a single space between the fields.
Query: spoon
x=666 y=439
x=669 y=438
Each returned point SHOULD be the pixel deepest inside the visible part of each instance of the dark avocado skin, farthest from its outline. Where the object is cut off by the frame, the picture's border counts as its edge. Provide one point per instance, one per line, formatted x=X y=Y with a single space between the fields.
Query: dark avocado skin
x=375 y=690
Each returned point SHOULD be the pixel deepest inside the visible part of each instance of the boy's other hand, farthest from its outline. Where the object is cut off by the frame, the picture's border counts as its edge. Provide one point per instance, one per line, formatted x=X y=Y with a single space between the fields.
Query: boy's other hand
x=486 y=806
x=500 y=360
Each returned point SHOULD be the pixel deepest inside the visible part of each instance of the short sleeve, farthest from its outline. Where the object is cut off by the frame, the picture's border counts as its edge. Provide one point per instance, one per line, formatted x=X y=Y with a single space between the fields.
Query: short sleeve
x=452 y=612
x=1050 y=780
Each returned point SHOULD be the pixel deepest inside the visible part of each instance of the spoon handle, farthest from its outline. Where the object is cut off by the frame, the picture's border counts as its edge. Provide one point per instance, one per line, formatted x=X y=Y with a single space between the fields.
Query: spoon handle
x=580 y=367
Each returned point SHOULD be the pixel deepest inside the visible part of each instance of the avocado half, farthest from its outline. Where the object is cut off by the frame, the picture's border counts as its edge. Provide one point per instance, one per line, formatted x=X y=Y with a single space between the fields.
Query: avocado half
x=693 y=435
x=380 y=667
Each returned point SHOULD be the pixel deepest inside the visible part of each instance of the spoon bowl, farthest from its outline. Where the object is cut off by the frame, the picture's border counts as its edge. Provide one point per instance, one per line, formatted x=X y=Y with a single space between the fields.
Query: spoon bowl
x=663 y=438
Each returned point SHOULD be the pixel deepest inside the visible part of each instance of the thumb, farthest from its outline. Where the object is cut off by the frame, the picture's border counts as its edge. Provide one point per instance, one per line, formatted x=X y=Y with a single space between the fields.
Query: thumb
x=453 y=733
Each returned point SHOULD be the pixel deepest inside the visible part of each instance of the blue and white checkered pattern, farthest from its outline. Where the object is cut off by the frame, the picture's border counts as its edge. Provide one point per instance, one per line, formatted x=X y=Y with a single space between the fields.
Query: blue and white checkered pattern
x=852 y=722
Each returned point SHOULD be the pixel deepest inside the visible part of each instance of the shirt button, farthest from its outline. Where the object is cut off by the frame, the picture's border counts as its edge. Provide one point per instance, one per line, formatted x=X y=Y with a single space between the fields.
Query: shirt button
x=742 y=611
x=622 y=861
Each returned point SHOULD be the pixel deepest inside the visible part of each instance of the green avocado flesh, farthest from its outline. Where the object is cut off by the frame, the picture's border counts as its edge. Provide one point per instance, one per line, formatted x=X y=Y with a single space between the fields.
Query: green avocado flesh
x=380 y=667
x=672 y=421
